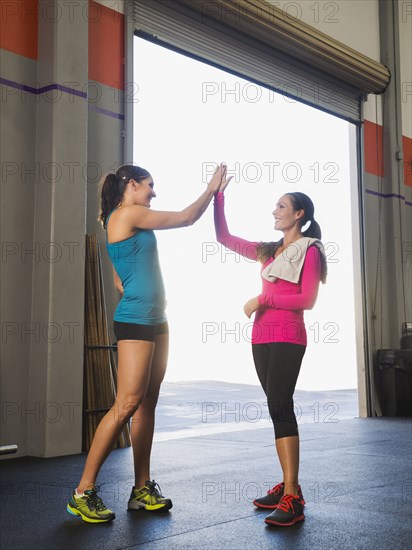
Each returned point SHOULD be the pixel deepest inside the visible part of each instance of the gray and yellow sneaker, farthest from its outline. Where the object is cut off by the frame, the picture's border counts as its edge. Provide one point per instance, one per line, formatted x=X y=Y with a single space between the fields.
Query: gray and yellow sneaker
x=149 y=498
x=90 y=507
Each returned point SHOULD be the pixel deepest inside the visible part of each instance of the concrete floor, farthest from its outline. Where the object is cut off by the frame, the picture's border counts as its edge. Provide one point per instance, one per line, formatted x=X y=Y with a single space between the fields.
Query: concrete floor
x=213 y=454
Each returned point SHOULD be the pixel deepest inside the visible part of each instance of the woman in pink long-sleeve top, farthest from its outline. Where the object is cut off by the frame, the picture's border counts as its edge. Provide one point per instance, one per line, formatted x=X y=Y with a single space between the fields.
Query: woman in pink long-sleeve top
x=292 y=269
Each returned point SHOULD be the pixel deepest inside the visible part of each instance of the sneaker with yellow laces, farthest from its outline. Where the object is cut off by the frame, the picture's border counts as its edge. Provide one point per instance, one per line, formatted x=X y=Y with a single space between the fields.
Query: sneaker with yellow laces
x=149 y=498
x=89 y=507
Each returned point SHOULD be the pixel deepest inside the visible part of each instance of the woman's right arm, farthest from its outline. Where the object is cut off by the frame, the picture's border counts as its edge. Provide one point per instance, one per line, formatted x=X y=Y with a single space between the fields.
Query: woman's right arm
x=237 y=244
x=141 y=217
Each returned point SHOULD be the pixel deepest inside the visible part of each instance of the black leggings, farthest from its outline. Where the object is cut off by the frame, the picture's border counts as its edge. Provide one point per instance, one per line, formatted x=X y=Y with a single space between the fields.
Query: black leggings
x=277 y=366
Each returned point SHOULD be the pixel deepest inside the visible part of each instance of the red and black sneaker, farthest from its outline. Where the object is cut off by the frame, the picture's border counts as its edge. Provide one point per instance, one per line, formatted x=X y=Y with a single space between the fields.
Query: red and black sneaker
x=288 y=512
x=273 y=496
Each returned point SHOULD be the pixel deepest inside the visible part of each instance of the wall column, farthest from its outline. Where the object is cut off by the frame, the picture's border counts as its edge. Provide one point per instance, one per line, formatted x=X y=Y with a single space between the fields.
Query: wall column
x=395 y=212
x=56 y=358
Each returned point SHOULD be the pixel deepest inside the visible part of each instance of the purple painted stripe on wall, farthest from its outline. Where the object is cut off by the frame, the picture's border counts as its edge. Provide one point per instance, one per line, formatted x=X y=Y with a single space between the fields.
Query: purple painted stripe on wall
x=61 y=88
x=106 y=112
x=64 y=89
x=388 y=195
x=17 y=85
x=43 y=89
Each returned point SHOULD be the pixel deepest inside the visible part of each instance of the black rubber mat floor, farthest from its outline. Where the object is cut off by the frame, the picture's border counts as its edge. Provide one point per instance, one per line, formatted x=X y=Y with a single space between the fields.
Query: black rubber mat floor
x=356 y=476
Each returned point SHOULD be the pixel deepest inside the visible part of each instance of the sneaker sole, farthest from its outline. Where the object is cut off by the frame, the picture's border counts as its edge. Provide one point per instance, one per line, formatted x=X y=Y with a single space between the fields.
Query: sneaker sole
x=77 y=513
x=280 y=524
x=134 y=505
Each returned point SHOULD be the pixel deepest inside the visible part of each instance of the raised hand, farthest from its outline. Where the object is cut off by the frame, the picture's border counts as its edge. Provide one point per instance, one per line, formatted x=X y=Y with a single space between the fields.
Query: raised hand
x=219 y=175
x=225 y=181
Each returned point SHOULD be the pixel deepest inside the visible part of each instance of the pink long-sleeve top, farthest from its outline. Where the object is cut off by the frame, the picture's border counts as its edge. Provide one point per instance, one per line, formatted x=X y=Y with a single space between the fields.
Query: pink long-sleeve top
x=280 y=315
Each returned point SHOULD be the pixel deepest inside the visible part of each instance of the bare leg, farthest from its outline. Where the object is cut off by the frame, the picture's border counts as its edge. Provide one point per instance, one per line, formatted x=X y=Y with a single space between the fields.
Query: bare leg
x=135 y=358
x=143 y=420
x=288 y=453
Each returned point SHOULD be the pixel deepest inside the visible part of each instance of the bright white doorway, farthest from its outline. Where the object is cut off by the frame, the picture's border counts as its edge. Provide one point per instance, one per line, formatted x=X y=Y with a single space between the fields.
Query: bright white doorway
x=188 y=116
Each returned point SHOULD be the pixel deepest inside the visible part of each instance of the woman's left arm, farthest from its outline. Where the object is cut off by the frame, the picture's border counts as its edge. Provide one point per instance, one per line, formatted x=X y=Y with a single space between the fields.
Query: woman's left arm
x=306 y=299
x=117 y=282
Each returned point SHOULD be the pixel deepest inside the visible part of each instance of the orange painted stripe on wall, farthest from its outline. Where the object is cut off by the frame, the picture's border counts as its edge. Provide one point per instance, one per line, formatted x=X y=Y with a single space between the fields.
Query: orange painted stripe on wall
x=373 y=148
x=19 y=27
x=106 y=45
x=407 y=160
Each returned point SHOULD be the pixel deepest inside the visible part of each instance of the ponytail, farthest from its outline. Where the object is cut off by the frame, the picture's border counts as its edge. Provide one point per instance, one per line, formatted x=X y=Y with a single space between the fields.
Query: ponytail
x=300 y=201
x=112 y=194
x=114 y=186
x=313 y=230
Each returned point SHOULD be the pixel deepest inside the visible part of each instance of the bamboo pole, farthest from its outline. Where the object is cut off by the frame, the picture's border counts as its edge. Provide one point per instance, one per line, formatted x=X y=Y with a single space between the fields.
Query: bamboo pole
x=100 y=369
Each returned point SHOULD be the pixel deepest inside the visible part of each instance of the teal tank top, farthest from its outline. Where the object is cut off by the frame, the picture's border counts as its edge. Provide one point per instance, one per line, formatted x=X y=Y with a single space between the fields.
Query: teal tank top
x=136 y=261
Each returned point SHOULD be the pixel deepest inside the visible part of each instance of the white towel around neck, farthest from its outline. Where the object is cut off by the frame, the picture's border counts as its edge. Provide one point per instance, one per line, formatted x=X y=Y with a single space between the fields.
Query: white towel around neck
x=288 y=265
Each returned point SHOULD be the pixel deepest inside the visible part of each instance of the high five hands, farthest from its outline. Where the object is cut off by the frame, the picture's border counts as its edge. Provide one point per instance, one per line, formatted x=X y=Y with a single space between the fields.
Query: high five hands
x=219 y=180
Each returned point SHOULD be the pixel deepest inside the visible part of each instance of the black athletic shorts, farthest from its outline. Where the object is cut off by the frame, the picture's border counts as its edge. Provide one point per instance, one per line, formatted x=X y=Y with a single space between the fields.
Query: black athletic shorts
x=133 y=331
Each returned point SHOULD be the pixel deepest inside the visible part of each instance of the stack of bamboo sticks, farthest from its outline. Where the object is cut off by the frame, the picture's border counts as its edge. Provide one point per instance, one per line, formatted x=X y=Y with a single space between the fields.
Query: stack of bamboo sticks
x=100 y=369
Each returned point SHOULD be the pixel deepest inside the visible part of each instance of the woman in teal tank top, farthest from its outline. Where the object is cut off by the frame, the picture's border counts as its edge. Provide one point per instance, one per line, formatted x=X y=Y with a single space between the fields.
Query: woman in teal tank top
x=141 y=330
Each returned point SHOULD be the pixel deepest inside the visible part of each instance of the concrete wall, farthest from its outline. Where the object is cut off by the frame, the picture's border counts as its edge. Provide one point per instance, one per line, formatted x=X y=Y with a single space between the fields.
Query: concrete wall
x=62 y=83
x=62 y=112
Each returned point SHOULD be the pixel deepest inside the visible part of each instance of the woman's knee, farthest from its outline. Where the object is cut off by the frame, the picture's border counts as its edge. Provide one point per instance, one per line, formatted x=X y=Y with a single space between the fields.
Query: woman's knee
x=151 y=399
x=283 y=418
x=125 y=407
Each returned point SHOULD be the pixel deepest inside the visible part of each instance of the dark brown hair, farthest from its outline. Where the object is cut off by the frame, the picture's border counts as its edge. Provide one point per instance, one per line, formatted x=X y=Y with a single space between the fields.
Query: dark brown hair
x=267 y=250
x=114 y=185
x=300 y=201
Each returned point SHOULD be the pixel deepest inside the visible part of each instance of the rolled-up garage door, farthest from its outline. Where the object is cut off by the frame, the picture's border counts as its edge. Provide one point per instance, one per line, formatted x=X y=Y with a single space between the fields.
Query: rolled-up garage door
x=255 y=40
